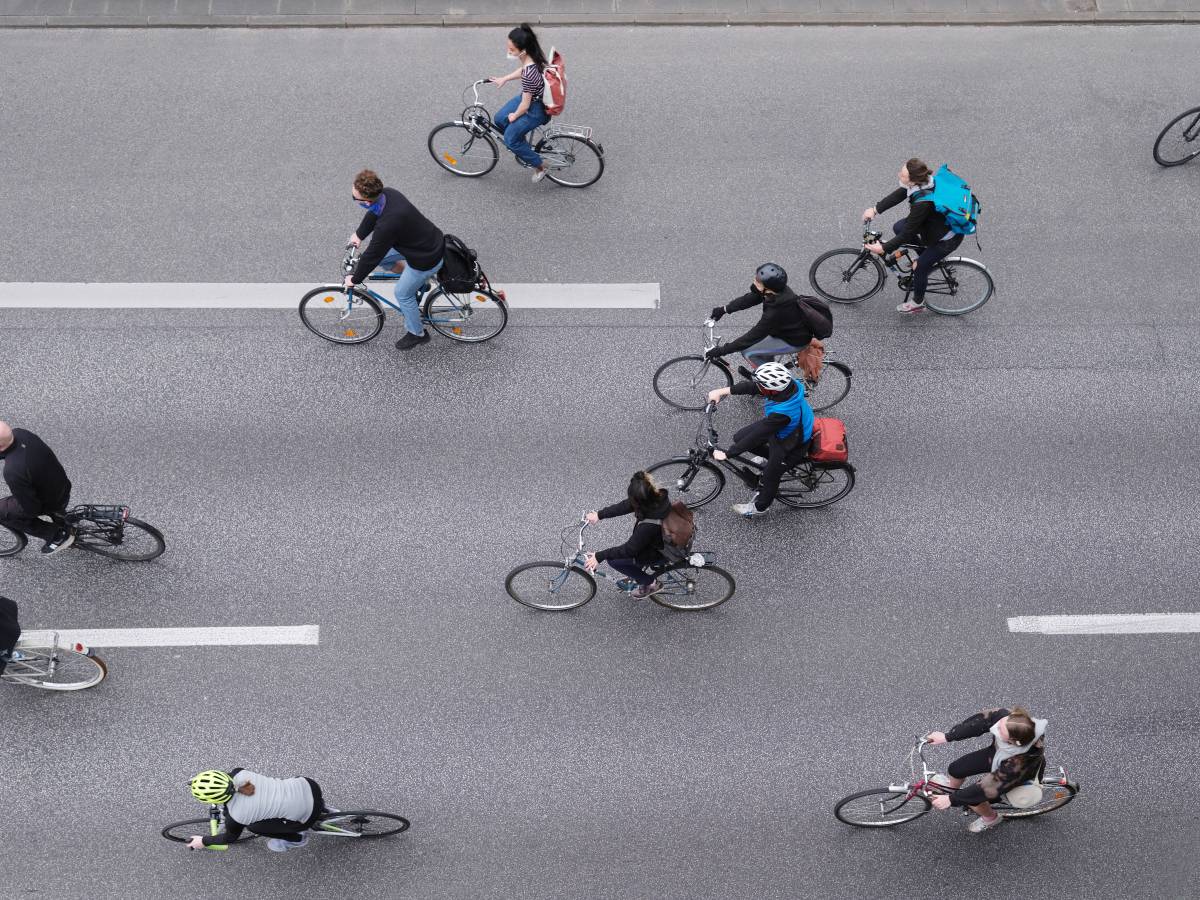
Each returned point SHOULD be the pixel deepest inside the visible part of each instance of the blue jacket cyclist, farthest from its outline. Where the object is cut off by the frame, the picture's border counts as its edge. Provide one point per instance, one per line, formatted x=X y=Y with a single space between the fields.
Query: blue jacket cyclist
x=281 y=808
x=782 y=435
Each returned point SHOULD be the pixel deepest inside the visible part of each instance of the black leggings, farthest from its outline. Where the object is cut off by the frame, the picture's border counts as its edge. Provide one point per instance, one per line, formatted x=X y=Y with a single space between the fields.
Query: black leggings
x=977 y=762
x=16 y=517
x=925 y=260
x=781 y=454
x=286 y=828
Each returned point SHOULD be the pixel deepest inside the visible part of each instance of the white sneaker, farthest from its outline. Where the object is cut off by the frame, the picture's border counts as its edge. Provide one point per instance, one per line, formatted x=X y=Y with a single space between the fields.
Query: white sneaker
x=981 y=824
x=909 y=307
x=538 y=175
x=279 y=845
x=748 y=509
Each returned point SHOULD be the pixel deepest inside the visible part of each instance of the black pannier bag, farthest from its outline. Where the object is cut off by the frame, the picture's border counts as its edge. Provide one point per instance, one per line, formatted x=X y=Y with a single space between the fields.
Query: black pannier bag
x=460 y=271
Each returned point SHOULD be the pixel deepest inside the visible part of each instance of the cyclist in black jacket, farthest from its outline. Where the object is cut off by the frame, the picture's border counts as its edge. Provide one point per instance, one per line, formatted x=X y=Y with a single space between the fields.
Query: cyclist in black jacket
x=782 y=328
x=39 y=485
x=924 y=226
x=645 y=500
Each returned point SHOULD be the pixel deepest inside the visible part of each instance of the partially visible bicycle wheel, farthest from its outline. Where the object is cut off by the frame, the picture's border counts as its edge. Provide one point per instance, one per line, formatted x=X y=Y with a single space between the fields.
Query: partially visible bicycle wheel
x=880 y=808
x=846 y=276
x=689 y=587
x=1055 y=794
x=472 y=318
x=1179 y=142
x=549 y=586
x=362 y=823
x=11 y=542
x=694 y=484
x=342 y=318
x=832 y=387
x=958 y=286
x=135 y=541
x=183 y=831
x=463 y=150
x=810 y=485
x=684 y=382
x=571 y=160
x=60 y=669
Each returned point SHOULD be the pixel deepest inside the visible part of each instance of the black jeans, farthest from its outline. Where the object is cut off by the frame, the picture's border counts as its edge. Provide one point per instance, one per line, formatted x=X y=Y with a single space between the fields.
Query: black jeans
x=286 y=828
x=781 y=454
x=631 y=568
x=925 y=260
x=18 y=518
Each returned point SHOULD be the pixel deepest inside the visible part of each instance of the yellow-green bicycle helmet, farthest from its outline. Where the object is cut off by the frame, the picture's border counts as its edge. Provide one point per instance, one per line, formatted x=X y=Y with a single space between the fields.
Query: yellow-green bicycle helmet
x=212 y=787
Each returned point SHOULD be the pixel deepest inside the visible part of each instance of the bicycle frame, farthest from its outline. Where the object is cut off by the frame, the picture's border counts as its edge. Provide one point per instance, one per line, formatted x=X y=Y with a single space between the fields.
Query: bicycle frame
x=477 y=116
x=904 y=264
x=577 y=560
x=350 y=261
x=326 y=826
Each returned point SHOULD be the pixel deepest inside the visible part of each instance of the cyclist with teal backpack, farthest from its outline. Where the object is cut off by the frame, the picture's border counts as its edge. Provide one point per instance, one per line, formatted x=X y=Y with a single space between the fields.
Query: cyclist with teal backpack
x=941 y=211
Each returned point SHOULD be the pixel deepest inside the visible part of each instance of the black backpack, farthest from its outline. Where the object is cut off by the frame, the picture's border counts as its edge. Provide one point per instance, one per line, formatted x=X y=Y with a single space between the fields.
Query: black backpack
x=818 y=314
x=460 y=272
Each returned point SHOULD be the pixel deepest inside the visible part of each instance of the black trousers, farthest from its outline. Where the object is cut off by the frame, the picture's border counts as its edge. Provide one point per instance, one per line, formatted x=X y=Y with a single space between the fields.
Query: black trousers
x=781 y=454
x=925 y=260
x=18 y=518
x=286 y=828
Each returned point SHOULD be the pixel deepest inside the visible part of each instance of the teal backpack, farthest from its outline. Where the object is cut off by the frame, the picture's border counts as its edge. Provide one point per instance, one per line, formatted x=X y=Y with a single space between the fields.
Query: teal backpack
x=952 y=197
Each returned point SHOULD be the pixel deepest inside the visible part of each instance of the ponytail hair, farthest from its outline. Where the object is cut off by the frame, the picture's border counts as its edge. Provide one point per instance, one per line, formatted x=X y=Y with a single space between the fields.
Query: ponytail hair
x=526 y=41
x=643 y=493
x=1020 y=726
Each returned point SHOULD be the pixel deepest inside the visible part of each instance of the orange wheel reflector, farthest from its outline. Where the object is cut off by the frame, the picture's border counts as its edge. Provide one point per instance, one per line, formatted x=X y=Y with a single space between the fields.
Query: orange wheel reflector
x=349 y=332
x=481 y=298
x=328 y=299
x=450 y=159
x=1058 y=795
x=457 y=330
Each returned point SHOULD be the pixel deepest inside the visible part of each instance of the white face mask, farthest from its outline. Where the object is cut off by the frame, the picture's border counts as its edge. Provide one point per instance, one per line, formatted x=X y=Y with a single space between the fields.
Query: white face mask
x=902 y=184
x=510 y=56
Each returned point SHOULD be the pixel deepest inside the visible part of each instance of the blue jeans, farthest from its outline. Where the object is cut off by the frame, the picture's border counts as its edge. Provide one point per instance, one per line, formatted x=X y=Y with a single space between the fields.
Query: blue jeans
x=407 y=286
x=514 y=133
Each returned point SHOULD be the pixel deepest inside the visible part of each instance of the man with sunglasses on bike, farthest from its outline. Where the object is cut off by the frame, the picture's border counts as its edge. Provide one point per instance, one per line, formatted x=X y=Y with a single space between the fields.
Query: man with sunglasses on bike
x=40 y=487
x=782 y=435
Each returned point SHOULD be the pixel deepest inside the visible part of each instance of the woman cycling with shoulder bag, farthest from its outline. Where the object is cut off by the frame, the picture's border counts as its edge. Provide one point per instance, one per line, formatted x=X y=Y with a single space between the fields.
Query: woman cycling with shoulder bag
x=526 y=111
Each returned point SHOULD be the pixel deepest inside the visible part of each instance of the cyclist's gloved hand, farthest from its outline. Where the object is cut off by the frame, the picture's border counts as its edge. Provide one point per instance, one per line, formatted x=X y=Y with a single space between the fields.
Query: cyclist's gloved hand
x=713 y=353
x=717 y=313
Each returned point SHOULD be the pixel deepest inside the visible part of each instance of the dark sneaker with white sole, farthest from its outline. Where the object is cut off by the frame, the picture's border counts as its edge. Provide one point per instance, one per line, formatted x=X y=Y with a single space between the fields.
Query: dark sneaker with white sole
x=643 y=592
x=411 y=340
x=62 y=539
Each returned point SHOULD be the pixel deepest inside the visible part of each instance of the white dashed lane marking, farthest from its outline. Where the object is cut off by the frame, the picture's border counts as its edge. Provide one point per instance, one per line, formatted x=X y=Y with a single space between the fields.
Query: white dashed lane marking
x=177 y=637
x=1146 y=623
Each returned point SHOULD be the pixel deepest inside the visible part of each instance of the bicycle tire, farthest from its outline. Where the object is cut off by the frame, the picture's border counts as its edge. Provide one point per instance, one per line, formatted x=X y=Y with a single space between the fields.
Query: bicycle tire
x=843 y=810
x=77 y=671
x=798 y=485
x=691 y=577
x=461 y=309
x=529 y=596
x=1061 y=795
x=12 y=541
x=356 y=822
x=854 y=263
x=451 y=161
x=1162 y=158
x=947 y=269
x=680 y=479
x=832 y=387
x=191 y=827
x=346 y=328
x=158 y=544
x=692 y=393
x=546 y=145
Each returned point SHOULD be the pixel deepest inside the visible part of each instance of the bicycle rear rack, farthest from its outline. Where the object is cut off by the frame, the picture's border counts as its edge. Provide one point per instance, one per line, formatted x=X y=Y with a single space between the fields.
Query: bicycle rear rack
x=581 y=131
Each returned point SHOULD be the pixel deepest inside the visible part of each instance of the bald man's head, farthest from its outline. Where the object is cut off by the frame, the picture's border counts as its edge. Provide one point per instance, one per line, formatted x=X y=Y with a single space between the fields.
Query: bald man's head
x=6 y=435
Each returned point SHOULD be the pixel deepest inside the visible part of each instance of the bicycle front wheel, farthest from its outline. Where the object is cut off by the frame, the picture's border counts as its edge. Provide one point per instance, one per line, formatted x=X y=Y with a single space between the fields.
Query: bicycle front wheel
x=463 y=150
x=832 y=387
x=59 y=670
x=472 y=318
x=809 y=486
x=550 y=586
x=696 y=484
x=132 y=541
x=880 y=808
x=689 y=587
x=1055 y=794
x=846 y=276
x=362 y=823
x=11 y=542
x=1179 y=142
x=958 y=286
x=331 y=313
x=182 y=832
x=571 y=160
x=684 y=382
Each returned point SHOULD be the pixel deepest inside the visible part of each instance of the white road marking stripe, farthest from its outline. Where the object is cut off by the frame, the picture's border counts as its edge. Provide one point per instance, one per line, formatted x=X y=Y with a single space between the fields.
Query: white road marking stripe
x=187 y=295
x=178 y=637
x=1152 y=623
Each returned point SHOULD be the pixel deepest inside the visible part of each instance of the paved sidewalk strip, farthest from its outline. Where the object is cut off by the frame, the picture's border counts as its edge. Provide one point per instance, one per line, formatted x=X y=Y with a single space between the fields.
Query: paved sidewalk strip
x=188 y=295
x=177 y=637
x=1150 y=623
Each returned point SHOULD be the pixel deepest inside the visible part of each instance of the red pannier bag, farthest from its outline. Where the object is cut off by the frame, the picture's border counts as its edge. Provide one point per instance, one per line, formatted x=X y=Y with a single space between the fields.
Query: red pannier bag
x=554 y=96
x=828 y=442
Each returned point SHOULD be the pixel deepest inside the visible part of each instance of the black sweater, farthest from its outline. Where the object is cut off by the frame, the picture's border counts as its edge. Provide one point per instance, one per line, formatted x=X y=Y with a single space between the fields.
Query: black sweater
x=34 y=474
x=924 y=224
x=781 y=318
x=402 y=228
x=762 y=431
x=645 y=544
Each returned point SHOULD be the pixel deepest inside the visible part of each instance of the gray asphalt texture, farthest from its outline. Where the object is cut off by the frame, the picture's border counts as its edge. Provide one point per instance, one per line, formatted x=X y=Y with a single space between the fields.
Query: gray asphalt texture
x=1037 y=457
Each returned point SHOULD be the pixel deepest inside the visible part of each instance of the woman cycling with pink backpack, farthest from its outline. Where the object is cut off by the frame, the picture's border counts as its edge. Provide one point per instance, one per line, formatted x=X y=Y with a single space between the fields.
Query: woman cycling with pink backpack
x=526 y=111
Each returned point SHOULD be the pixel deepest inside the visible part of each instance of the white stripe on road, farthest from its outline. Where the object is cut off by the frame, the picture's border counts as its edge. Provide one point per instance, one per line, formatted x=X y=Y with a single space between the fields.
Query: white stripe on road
x=177 y=637
x=1153 y=623
x=188 y=295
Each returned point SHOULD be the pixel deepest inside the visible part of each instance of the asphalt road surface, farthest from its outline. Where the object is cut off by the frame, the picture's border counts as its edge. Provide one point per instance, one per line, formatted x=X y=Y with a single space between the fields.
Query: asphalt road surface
x=1036 y=457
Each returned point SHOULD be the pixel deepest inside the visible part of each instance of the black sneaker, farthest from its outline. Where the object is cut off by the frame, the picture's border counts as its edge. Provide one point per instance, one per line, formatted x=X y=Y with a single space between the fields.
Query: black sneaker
x=411 y=340
x=62 y=539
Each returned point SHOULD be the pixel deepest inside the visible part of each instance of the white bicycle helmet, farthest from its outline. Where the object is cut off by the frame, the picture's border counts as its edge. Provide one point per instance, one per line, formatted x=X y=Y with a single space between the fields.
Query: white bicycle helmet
x=772 y=377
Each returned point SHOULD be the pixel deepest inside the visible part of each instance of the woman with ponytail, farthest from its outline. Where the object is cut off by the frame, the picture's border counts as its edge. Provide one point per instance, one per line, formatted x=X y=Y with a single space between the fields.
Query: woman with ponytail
x=649 y=505
x=524 y=112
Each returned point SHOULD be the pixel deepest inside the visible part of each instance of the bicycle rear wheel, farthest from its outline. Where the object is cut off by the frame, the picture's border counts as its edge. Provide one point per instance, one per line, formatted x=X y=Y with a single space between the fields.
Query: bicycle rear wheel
x=1179 y=142
x=846 y=276
x=832 y=387
x=330 y=313
x=463 y=150
x=1055 y=794
x=880 y=808
x=131 y=541
x=689 y=587
x=958 y=286
x=808 y=485
x=60 y=669
x=471 y=318
x=11 y=542
x=684 y=382
x=550 y=586
x=182 y=832
x=363 y=823
x=696 y=484
x=571 y=160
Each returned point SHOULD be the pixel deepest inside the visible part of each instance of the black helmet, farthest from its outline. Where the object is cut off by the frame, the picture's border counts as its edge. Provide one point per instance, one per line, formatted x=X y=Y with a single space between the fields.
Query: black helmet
x=771 y=276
